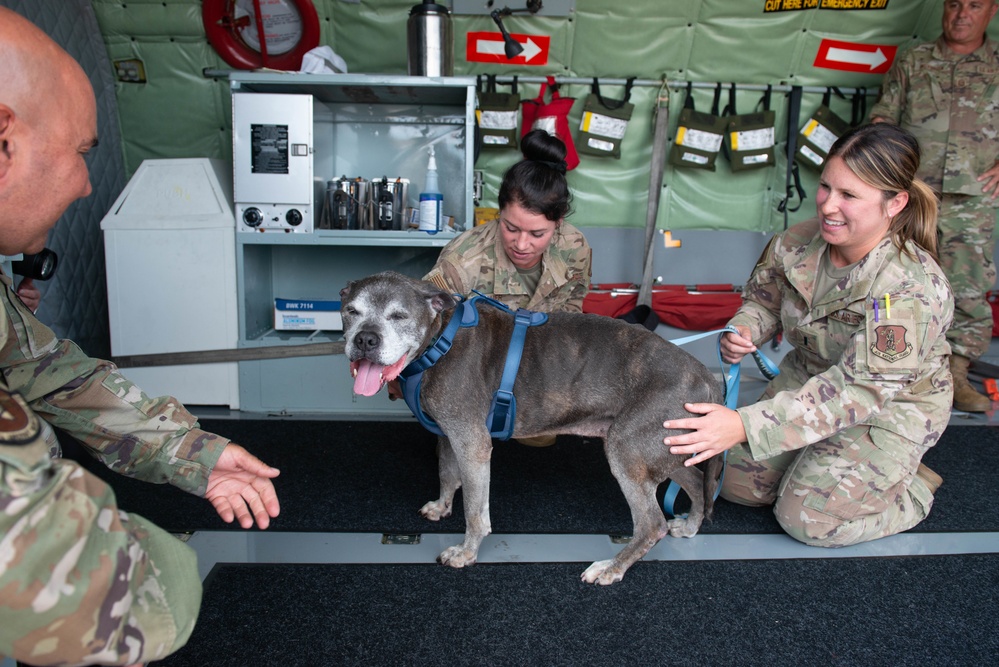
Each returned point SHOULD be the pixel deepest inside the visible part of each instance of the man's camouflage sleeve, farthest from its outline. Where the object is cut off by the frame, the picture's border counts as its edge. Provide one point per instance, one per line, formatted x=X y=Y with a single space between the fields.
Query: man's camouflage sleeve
x=153 y=439
x=80 y=581
x=893 y=90
x=950 y=104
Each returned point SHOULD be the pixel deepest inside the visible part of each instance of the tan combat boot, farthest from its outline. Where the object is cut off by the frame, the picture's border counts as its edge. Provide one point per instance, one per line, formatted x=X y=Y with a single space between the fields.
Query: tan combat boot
x=930 y=478
x=966 y=398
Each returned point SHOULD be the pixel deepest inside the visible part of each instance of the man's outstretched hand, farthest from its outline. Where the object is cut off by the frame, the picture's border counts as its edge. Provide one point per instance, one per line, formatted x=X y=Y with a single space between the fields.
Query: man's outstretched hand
x=240 y=487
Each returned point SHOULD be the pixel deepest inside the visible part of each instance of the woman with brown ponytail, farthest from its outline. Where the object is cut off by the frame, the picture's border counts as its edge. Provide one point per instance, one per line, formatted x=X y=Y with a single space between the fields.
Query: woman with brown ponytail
x=835 y=442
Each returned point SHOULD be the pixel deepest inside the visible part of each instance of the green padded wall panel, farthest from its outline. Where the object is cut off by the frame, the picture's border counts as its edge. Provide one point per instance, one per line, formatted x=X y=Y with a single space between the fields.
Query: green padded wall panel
x=180 y=113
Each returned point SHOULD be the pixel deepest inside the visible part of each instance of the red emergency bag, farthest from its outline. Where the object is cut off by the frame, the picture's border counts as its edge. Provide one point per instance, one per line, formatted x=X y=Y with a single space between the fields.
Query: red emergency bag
x=552 y=117
x=690 y=307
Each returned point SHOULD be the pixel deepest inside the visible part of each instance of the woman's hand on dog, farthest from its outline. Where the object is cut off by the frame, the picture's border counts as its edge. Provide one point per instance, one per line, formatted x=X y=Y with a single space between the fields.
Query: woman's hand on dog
x=715 y=431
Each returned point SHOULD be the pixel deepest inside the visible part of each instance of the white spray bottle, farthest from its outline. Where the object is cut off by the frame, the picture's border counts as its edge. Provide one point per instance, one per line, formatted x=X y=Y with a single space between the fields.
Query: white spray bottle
x=431 y=199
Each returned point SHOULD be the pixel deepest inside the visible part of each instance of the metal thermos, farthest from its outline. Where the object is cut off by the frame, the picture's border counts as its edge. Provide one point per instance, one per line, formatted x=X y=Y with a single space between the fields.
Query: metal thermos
x=345 y=205
x=428 y=37
x=388 y=202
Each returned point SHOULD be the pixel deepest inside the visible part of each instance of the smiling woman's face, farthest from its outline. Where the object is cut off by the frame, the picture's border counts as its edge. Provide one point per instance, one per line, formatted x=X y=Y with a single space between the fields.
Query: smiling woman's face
x=854 y=216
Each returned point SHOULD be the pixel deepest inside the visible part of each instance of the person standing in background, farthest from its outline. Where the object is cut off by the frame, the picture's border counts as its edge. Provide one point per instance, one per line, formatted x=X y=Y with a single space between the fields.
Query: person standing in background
x=946 y=93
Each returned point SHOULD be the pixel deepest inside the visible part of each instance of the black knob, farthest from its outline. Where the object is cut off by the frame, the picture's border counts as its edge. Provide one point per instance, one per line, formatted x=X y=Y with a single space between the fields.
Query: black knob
x=294 y=217
x=253 y=217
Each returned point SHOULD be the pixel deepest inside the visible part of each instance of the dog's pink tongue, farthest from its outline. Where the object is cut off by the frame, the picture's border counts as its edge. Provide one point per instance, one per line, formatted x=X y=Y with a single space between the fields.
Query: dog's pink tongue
x=369 y=378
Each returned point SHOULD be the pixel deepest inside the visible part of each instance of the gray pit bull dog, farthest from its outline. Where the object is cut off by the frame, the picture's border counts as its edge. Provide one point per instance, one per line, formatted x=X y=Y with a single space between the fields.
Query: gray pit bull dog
x=580 y=374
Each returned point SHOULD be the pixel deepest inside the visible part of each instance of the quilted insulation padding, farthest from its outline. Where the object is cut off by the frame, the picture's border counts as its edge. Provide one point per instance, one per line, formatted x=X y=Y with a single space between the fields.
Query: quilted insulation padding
x=180 y=113
x=74 y=301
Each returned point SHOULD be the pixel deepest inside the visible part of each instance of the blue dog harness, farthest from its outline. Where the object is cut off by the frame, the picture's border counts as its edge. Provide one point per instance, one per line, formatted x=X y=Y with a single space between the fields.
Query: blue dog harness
x=503 y=409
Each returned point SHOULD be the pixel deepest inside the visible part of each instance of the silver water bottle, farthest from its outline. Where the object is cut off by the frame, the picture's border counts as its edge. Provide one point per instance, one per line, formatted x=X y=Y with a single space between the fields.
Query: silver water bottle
x=429 y=42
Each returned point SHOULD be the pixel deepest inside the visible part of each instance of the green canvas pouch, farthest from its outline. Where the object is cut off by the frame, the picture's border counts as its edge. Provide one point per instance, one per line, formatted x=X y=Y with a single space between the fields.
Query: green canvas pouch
x=699 y=135
x=750 y=138
x=604 y=122
x=497 y=115
x=819 y=133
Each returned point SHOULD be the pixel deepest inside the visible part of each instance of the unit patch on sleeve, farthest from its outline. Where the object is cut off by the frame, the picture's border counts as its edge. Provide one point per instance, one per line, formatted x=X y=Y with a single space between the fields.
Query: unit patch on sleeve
x=18 y=424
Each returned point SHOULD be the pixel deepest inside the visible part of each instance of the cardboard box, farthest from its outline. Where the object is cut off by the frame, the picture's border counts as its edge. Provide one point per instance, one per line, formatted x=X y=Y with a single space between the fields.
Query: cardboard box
x=307 y=315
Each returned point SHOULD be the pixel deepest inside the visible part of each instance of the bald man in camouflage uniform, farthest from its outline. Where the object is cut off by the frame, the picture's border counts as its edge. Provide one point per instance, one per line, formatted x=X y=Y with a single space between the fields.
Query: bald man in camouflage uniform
x=946 y=93
x=82 y=582
x=858 y=400
x=476 y=261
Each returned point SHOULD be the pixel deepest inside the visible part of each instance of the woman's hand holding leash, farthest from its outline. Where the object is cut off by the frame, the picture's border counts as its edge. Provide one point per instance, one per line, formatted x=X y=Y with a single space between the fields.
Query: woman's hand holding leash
x=734 y=348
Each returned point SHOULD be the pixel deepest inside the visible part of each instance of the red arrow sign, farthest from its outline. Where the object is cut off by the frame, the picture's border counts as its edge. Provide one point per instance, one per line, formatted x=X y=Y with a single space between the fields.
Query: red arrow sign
x=487 y=47
x=853 y=57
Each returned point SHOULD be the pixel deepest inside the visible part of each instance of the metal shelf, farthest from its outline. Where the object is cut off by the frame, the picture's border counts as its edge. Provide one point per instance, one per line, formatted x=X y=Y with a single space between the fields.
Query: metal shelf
x=360 y=88
x=349 y=237
x=355 y=120
x=272 y=337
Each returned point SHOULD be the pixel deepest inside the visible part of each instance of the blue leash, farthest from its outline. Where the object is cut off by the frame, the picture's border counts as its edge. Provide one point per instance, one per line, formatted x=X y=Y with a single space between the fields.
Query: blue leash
x=732 y=377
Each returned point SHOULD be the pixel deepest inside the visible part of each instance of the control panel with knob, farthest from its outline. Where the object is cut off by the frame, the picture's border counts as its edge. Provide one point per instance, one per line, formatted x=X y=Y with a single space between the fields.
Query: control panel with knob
x=274 y=218
x=252 y=217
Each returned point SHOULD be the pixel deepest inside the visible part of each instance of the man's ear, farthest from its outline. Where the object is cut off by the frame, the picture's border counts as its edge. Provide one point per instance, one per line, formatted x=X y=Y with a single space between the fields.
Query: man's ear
x=6 y=134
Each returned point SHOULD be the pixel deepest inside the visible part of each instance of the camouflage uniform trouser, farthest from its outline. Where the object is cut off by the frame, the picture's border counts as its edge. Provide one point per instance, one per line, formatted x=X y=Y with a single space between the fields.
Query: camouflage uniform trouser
x=964 y=233
x=857 y=486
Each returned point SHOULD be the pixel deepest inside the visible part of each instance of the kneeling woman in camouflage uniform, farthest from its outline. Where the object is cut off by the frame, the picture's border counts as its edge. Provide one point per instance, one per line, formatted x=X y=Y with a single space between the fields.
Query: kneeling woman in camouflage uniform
x=529 y=257
x=835 y=441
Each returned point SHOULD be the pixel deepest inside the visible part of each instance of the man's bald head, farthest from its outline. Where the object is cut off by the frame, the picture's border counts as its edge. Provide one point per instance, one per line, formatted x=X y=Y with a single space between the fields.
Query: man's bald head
x=48 y=122
x=35 y=68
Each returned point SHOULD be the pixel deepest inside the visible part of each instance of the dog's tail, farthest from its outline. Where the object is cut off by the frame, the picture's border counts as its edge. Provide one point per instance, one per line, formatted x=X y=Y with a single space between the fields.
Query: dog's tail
x=712 y=479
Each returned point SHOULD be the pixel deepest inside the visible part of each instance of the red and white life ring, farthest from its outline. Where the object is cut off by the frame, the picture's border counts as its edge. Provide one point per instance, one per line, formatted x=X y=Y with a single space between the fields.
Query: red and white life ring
x=250 y=34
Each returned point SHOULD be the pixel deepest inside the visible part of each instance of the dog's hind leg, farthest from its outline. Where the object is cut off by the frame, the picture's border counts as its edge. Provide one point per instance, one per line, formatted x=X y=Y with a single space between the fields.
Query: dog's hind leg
x=639 y=487
x=450 y=481
x=691 y=480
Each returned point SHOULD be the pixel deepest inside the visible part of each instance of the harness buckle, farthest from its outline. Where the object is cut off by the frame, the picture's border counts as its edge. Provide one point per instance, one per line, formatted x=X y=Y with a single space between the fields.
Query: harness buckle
x=502 y=413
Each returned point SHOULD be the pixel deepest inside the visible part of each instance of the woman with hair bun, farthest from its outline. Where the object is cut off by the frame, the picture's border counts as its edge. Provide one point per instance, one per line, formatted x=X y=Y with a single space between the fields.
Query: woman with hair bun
x=836 y=440
x=529 y=257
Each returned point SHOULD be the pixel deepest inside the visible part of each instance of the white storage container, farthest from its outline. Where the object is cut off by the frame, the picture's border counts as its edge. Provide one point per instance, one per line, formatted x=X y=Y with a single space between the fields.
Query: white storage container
x=169 y=242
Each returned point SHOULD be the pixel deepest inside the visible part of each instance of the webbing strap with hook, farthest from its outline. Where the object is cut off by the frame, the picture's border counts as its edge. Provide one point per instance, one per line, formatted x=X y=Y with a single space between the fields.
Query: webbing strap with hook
x=732 y=378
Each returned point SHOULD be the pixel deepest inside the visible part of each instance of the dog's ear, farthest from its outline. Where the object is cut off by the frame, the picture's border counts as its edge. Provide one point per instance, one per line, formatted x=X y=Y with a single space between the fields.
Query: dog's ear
x=439 y=299
x=345 y=292
x=443 y=301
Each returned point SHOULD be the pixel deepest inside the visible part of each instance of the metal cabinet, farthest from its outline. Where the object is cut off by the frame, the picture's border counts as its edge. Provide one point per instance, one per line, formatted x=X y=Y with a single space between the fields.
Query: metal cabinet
x=362 y=126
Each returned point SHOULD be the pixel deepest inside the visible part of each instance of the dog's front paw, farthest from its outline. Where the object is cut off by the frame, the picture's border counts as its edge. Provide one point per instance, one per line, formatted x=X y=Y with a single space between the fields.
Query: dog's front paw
x=456 y=556
x=603 y=573
x=436 y=510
